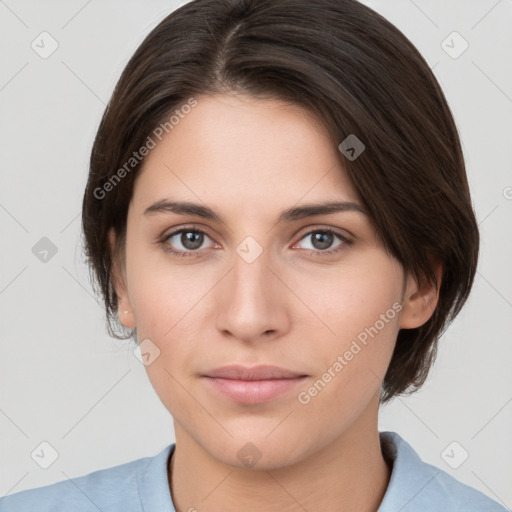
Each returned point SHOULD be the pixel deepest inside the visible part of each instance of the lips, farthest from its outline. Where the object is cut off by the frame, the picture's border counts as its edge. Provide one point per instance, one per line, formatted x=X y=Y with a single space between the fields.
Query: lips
x=261 y=372
x=252 y=385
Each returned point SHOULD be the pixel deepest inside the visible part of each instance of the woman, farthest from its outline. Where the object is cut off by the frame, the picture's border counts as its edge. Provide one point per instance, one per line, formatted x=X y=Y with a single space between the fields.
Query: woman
x=278 y=214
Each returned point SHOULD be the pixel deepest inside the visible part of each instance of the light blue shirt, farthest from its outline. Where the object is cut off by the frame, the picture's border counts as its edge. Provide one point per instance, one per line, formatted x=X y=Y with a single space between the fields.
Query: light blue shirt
x=142 y=486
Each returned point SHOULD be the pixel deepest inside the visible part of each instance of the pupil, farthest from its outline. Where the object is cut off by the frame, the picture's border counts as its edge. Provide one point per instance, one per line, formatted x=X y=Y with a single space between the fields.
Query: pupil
x=324 y=240
x=191 y=240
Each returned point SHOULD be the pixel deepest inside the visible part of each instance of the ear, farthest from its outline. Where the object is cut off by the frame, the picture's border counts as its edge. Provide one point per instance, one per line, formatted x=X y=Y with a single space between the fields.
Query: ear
x=420 y=300
x=124 y=311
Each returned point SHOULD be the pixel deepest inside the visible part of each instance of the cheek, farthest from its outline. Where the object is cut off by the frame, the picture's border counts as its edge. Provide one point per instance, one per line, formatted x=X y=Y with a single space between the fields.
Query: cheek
x=362 y=308
x=164 y=295
x=350 y=299
x=169 y=305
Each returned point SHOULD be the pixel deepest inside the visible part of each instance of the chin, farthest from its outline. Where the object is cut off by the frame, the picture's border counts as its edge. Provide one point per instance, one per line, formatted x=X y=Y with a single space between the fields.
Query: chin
x=259 y=452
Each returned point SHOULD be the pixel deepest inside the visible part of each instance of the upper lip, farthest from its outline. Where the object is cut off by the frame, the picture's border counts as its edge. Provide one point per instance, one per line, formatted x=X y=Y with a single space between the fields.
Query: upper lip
x=260 y=372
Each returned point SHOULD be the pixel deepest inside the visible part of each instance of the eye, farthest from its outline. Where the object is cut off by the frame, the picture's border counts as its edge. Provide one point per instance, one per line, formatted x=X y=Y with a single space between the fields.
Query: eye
x=322 y=240
x=188 y=241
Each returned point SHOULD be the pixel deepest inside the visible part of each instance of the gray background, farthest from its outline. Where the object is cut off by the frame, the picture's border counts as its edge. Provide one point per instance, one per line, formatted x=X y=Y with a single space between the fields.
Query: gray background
x=64 y=381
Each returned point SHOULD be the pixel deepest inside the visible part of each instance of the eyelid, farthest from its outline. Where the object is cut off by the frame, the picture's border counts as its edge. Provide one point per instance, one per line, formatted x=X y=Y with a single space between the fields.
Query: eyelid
x=343 y=233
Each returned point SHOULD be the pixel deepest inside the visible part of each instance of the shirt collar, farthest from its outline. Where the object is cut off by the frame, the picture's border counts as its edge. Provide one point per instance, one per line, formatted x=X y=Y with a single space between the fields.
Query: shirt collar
x=409 y=474
x=153 y=482
x=407 y=468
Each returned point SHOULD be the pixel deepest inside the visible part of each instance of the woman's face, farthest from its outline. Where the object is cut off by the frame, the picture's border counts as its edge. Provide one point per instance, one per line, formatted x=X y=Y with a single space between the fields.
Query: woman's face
x=261 y=286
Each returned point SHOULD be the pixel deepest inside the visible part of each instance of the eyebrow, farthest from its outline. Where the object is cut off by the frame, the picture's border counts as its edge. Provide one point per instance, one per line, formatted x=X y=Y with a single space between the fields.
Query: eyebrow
x=292 y=214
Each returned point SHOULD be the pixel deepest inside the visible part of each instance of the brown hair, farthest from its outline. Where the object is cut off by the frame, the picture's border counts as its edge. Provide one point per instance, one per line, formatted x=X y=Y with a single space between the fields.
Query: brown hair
x=360 y=75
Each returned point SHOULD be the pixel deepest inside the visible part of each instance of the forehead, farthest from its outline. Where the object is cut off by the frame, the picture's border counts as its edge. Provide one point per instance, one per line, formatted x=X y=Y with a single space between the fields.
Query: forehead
x=248 y=153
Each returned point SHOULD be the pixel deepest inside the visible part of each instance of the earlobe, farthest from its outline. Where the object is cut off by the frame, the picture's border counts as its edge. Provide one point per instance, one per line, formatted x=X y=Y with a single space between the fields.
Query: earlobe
x=124 y=308
x=420 y=300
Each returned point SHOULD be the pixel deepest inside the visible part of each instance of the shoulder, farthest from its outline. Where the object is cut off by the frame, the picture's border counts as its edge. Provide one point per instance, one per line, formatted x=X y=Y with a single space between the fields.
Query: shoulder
x=416 y=486
x=119 y=488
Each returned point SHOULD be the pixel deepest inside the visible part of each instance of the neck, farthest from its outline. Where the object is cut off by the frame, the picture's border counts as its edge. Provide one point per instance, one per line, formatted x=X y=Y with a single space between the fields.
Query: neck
x=348 y=474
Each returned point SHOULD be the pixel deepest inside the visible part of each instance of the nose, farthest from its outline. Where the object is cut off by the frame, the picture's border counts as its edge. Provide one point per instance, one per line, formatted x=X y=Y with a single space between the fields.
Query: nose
x=252 y=303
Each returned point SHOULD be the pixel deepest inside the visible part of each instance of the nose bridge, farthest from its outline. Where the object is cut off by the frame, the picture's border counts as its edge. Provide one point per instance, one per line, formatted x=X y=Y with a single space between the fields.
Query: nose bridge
x=250 y=272
x=251 y=302
x=250 y=276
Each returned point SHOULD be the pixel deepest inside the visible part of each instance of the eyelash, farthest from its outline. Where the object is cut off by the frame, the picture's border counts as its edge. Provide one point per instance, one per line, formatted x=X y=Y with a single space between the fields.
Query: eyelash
x=192 y=254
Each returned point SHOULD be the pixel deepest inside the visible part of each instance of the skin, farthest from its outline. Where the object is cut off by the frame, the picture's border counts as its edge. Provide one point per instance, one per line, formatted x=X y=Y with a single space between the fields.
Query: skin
x=293 y=306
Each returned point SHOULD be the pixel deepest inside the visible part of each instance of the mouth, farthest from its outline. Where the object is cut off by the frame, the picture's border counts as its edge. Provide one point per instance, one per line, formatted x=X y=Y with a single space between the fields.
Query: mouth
x=253 y=385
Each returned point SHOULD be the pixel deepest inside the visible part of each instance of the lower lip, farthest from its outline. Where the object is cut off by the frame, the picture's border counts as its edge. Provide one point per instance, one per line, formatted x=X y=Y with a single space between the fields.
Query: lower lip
x=253 y=391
